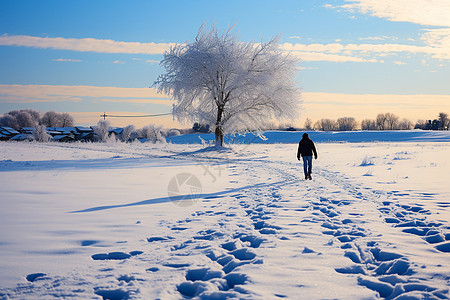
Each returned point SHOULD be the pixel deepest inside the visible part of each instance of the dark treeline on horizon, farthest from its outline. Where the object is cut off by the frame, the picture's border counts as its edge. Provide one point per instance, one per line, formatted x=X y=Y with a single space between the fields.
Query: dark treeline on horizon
x=383 y=121
x=18 y=119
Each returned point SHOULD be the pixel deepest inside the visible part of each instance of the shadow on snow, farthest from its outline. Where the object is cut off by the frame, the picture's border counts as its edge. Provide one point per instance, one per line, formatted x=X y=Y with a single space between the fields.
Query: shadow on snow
x=189 y=197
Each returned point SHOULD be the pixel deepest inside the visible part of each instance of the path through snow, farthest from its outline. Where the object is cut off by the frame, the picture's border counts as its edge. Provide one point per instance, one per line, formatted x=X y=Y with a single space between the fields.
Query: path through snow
x=268 y=234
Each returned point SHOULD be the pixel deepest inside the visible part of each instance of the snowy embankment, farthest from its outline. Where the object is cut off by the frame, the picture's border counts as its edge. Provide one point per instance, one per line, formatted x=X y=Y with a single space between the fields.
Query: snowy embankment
x=140 y=221
x=292 y=137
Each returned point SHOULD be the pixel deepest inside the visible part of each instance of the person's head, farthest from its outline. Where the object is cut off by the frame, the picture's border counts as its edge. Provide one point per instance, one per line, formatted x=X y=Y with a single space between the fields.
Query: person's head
x=305 y=136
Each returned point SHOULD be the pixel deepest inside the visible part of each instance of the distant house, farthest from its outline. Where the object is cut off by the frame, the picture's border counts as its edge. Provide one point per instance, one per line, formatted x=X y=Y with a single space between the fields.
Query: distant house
x=62 y=134
x=84 y=134
x=58 y=134
x=64 y=138
x=63 y=130
x=115 y=131
x=22 y=137
x=27 y=130
x=81 y=129
x=6 y=133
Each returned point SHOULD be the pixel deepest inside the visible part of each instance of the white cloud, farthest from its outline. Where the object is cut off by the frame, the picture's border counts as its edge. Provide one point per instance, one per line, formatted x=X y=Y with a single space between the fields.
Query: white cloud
x=362 y=52
x=149 y=61
x=84 y=45
x=377 y=38
x=67 y=59
x=63 y=93
x=437 y=39
x=318 y=56
x=424 y=12
x=118 y=62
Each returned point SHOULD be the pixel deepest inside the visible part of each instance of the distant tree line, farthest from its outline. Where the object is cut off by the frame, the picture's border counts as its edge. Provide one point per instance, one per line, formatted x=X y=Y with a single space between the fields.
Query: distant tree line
x=383 y=121
x=32 y=118
x=441 y=123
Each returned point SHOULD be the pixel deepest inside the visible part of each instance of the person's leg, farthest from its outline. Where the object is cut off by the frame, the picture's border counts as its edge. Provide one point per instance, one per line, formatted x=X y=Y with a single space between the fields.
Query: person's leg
x=305 y=166
x=309 y=166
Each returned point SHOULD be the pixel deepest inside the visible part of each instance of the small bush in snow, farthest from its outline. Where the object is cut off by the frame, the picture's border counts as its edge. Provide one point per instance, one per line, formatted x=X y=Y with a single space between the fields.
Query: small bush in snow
x=367 y=161
x=152 y=134
x=173 y=132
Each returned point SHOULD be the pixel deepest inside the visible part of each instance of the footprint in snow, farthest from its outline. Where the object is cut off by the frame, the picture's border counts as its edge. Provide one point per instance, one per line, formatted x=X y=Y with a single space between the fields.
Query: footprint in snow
x=115 y=255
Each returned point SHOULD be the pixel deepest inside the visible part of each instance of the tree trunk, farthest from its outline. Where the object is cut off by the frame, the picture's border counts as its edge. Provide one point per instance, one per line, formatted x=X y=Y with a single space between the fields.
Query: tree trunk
x=219 y=130
x=219 y=136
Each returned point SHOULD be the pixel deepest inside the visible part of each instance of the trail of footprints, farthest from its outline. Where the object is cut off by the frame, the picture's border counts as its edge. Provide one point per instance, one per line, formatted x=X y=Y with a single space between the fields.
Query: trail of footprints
x=224 y=279
x=388 y=273
x=412 y=219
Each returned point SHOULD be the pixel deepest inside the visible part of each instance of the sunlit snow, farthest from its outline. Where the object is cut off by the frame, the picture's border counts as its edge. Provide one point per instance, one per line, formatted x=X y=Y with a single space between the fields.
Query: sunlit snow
x=145 y=221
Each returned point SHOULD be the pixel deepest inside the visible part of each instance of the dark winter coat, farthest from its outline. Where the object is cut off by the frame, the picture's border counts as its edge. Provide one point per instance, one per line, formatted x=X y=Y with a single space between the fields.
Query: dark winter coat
x=306 y=148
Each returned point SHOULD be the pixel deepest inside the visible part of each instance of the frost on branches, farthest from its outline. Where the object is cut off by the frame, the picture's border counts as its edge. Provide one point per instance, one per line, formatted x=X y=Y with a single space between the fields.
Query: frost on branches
x=231 y=85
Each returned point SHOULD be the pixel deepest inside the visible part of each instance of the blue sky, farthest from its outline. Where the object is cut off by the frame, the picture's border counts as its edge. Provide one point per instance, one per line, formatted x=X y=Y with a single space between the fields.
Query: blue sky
x=359 y=58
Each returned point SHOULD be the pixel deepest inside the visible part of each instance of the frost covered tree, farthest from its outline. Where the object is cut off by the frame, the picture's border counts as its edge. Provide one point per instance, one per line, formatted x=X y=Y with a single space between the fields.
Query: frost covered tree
x=54 y=119
x=346 y=124
x=9 y=121
x=66 y=120
x=51 y=119
x=391 y=121
x=381 y=122
x=101 y=131
x=308 y=124
x=152 y=133
x=405 y=124
x=368 y=124
x=126 y=133
x=325 y=125
x=40 y=134
x=20 y=118
x=232 y=86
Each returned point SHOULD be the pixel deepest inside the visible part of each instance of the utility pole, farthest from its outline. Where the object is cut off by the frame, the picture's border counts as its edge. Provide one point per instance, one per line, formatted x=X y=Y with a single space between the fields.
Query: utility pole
x=104 y=116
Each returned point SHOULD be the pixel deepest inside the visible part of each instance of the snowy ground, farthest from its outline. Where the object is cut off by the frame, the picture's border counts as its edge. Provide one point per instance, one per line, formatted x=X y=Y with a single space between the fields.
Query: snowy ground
x=139 y=221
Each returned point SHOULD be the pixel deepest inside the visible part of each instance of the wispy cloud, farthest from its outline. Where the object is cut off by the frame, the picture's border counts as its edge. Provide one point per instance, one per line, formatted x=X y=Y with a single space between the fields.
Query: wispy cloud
x=424 y=12
x=361 y=52
x=438 y=41
x=67 y=59
x=64 y=93
x=84 y=45
x=320 y=56
x=378 y=38
x=150 y=61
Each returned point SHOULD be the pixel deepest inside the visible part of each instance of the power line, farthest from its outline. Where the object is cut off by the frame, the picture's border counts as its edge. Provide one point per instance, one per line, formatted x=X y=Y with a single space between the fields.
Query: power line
x=141 y=116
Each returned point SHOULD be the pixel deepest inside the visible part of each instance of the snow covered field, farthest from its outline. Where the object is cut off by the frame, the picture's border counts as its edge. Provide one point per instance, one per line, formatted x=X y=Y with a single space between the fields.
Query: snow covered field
x=142 y=221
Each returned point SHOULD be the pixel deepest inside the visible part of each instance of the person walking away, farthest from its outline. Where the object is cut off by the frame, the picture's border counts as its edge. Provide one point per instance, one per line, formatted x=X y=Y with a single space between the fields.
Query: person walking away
x=306 y=148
